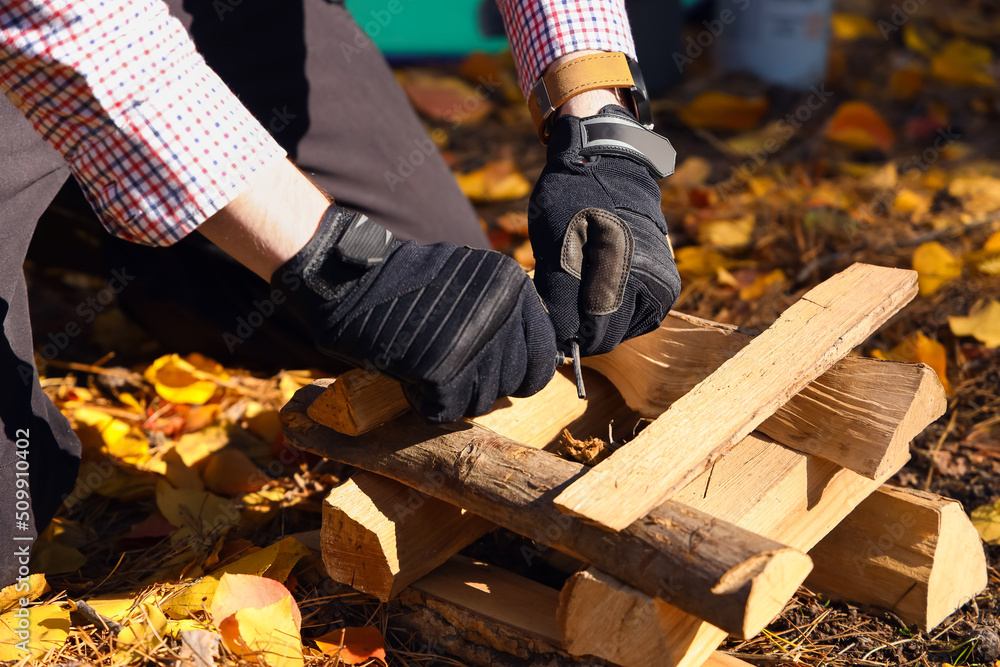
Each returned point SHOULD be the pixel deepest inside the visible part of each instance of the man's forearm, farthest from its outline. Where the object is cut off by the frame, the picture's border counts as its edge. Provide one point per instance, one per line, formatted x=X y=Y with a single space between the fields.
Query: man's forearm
x=268 y=224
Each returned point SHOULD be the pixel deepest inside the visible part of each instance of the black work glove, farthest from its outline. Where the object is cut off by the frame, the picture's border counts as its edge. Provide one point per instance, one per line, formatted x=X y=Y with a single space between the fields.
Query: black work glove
x=604 y=268
x=457 y=327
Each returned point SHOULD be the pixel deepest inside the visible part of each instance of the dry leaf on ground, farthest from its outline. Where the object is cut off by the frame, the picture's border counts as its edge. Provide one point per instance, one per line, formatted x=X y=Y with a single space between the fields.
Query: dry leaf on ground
x=858 y=125
x=852 y=26
x=445 y=98
x=963 y=63
x=35 y=630
x=935 y=266
x=919 y=347
x=986 y=519
x=193 y=379
x=716 y=110
x=983 y=323
x=268 y=635
x=499 y=180
x=763 y=284
x=354 y=646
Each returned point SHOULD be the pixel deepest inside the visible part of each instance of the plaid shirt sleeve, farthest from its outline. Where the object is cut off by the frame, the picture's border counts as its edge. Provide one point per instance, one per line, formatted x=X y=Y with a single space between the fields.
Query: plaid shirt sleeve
x=156 y=139
x=542 y=30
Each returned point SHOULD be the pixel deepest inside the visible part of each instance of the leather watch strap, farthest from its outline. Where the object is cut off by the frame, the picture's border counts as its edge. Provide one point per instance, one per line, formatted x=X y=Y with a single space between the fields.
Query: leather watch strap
x=589 y=72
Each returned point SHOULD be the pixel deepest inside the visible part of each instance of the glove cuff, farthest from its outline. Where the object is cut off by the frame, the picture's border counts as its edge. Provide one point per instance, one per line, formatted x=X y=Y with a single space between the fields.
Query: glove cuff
x=614 y=131
x=345 y=246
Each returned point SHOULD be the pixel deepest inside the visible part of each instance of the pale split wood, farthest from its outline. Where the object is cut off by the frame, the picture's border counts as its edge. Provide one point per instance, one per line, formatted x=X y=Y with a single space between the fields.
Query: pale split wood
x=469 y=606
x=805 y=341
x=379 y=535
x=789 y=496
x=914 y=553
x=512 y=485
x=373 y=530
x=853 y=414
x=358 y=401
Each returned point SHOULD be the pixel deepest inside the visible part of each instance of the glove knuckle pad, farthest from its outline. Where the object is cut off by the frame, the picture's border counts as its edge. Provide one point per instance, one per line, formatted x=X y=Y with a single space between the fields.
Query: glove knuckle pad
x=598 y=248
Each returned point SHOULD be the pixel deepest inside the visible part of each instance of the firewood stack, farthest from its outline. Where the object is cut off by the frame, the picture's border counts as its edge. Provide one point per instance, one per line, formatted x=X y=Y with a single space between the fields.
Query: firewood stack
x=761 y=468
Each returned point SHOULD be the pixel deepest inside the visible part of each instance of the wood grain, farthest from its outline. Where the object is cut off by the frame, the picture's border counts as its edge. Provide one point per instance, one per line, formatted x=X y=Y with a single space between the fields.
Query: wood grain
x=513 y=485
x=808 y=338
x=470 y=606
x=914 y=553
x=859 y=414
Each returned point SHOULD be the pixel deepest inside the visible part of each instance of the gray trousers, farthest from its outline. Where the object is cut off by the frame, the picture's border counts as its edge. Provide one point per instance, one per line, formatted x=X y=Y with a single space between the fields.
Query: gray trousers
x=309 y=74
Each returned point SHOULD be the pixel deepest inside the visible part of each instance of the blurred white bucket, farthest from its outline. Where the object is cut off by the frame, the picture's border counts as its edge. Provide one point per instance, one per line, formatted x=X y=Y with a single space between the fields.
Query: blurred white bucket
x=782 y=41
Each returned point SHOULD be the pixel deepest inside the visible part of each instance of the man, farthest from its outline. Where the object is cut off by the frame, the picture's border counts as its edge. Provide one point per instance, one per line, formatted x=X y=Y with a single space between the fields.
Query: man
x=115 y=92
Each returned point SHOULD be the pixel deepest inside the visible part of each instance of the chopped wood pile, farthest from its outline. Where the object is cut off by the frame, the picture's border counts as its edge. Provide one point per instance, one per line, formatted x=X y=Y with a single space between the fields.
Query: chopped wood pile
x=762 y=466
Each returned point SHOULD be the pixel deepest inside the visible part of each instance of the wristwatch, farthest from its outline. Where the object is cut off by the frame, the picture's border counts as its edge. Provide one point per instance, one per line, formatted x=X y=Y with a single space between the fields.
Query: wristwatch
x=588 y=72
x=605 y=133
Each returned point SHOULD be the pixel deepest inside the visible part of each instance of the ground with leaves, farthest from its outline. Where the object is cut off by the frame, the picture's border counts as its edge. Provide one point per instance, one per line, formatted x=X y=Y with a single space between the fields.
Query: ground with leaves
x=181 y=532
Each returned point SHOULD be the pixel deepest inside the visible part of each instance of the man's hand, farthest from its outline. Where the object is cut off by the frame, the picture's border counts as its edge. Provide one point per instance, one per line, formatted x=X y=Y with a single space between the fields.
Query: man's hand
x=457 y=327
x=604 y=268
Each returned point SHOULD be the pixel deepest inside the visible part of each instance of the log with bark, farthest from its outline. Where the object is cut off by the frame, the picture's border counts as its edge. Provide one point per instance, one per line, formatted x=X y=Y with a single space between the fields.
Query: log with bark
x=488 y=616
x=380 y=536
x=804 y=342
x=732 y=577
x=914 y=553
x=860 y=414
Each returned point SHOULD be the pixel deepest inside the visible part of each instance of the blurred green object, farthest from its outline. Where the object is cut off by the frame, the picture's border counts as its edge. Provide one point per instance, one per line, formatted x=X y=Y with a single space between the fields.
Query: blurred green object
x=405 y=28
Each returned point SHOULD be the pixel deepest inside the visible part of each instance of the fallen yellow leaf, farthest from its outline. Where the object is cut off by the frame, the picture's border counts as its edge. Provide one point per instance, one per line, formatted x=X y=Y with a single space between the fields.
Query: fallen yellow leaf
x=699 y=262
x=986 y=519
x=727 y=233
x=354 y=646
x=445 y=98
x=192 y=380
x=988 y=259
x=714 y=110
x=274 y=562
x=268 y=634
x=935 y=266
x=98 y=430
x=33 y=630
x=243 y=591
x=763 y=142
x=52 y=557
x=199 y=510
x=859 y=126
x=30 y=588
x=197 y=446
x=909 y=201
x=963 y=63
x=499 y=180
x=852 y=26
x=259 y=506
x=525 y=256
x=983 y=323
x=763 y=284
x=230 y=472
x=692 y=172
x=145 y=626
x=980 y=195
x=921 y=38
x=920 y=348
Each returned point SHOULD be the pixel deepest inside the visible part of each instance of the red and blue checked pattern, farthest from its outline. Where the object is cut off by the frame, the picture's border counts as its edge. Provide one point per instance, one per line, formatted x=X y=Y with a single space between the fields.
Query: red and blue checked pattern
x=156 y=139
x=542 y=30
